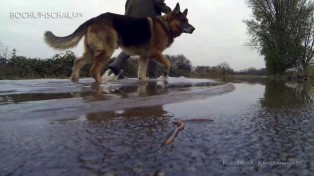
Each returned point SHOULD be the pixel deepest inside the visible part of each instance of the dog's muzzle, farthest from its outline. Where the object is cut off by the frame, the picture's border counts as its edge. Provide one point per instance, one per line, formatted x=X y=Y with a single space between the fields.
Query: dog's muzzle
x=189 y=29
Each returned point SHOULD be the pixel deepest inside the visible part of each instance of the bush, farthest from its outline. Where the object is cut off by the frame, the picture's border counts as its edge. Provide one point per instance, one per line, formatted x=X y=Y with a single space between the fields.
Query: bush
x=311 y=72
x=60 y=66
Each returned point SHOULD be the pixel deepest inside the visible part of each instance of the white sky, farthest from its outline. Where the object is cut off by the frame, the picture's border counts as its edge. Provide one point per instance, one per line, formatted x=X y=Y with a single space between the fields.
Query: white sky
x=220 y=34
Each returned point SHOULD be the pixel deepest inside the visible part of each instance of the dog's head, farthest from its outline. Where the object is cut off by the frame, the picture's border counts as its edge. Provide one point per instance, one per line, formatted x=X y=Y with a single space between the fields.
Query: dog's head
x=180 y=20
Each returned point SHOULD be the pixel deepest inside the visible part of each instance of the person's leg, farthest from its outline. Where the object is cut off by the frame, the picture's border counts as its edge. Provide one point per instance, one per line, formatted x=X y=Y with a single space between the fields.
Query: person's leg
x=152 y=68
x=115 y=66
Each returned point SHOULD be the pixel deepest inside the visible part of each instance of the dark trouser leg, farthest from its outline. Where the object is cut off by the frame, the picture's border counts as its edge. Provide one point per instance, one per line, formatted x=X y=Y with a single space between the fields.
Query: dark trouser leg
x=152 y=67
x=121 y=59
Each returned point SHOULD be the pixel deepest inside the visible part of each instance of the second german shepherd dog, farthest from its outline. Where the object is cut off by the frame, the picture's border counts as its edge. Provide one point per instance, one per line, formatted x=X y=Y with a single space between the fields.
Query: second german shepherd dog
x=146 y=37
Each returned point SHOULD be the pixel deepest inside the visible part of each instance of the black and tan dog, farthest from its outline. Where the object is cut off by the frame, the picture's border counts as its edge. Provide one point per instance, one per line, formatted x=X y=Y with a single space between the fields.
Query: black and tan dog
x=146 y=37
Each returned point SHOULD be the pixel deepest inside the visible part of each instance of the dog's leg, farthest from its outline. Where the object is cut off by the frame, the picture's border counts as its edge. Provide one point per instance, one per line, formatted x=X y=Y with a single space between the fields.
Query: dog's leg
x=79 y=63
x=103 y=43
x=99 y=61
x=164 y=61
x=142 y=67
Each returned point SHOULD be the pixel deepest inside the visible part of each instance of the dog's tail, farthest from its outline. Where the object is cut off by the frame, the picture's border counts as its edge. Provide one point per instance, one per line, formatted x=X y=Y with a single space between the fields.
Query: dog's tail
x=68 y=41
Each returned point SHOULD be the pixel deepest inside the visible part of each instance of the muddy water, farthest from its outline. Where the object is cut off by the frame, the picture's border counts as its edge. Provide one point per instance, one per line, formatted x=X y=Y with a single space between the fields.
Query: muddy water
x=55 y=127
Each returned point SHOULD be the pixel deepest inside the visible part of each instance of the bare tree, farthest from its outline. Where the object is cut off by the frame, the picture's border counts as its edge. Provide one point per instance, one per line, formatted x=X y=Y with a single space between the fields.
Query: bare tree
x=4 y=51
x=180 y=62
x=307 y=52
x=224 y=68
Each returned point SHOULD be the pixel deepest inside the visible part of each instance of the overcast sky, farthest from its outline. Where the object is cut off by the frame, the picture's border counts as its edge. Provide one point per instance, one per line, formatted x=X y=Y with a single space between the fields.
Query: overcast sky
x=220 y=34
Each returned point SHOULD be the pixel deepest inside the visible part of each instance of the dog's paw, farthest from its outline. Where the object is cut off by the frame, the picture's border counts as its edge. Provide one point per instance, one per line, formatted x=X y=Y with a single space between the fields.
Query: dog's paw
x=143 y=79
x=74 y=79
x=163 y=77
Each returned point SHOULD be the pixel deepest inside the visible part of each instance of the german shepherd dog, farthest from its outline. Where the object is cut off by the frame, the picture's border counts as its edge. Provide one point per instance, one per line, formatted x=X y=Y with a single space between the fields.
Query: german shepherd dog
x=146 y=37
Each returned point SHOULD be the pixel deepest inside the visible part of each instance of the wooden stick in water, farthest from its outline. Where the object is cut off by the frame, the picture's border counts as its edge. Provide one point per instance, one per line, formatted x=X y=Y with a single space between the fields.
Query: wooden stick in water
x=180 y=126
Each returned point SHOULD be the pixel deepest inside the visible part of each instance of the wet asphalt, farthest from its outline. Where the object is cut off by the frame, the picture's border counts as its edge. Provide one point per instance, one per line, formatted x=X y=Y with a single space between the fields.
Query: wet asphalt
x=54 y=127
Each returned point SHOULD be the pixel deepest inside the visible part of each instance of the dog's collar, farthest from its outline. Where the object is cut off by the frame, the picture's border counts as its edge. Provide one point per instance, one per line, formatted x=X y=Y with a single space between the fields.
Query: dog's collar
x=167 y=27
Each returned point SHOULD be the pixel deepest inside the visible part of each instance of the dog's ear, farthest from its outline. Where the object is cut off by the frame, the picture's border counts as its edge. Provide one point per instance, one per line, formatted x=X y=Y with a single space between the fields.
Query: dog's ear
x=176 y=10
x=185 y=12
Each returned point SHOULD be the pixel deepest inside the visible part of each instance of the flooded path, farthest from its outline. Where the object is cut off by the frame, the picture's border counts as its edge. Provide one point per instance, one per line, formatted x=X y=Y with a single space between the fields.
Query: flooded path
x=55 y=127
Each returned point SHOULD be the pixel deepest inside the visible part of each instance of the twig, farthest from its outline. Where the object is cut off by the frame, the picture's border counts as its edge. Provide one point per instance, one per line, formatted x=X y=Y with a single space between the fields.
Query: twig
x=180 y=127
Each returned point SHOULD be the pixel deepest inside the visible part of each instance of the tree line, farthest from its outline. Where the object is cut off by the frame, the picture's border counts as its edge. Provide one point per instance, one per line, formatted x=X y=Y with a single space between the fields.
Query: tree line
x=13 y=66
x=219 y=70
x=60 y=65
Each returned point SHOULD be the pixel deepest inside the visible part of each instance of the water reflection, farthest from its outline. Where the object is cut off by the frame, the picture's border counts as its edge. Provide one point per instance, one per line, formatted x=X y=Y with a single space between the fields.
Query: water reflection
x=13 y=92
x=101 y=91
x=247 y=80
x=18 y=98
x=142 y=89
x=88 y=91
x=141 y=112
x=284 y=122
x=281 y=93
